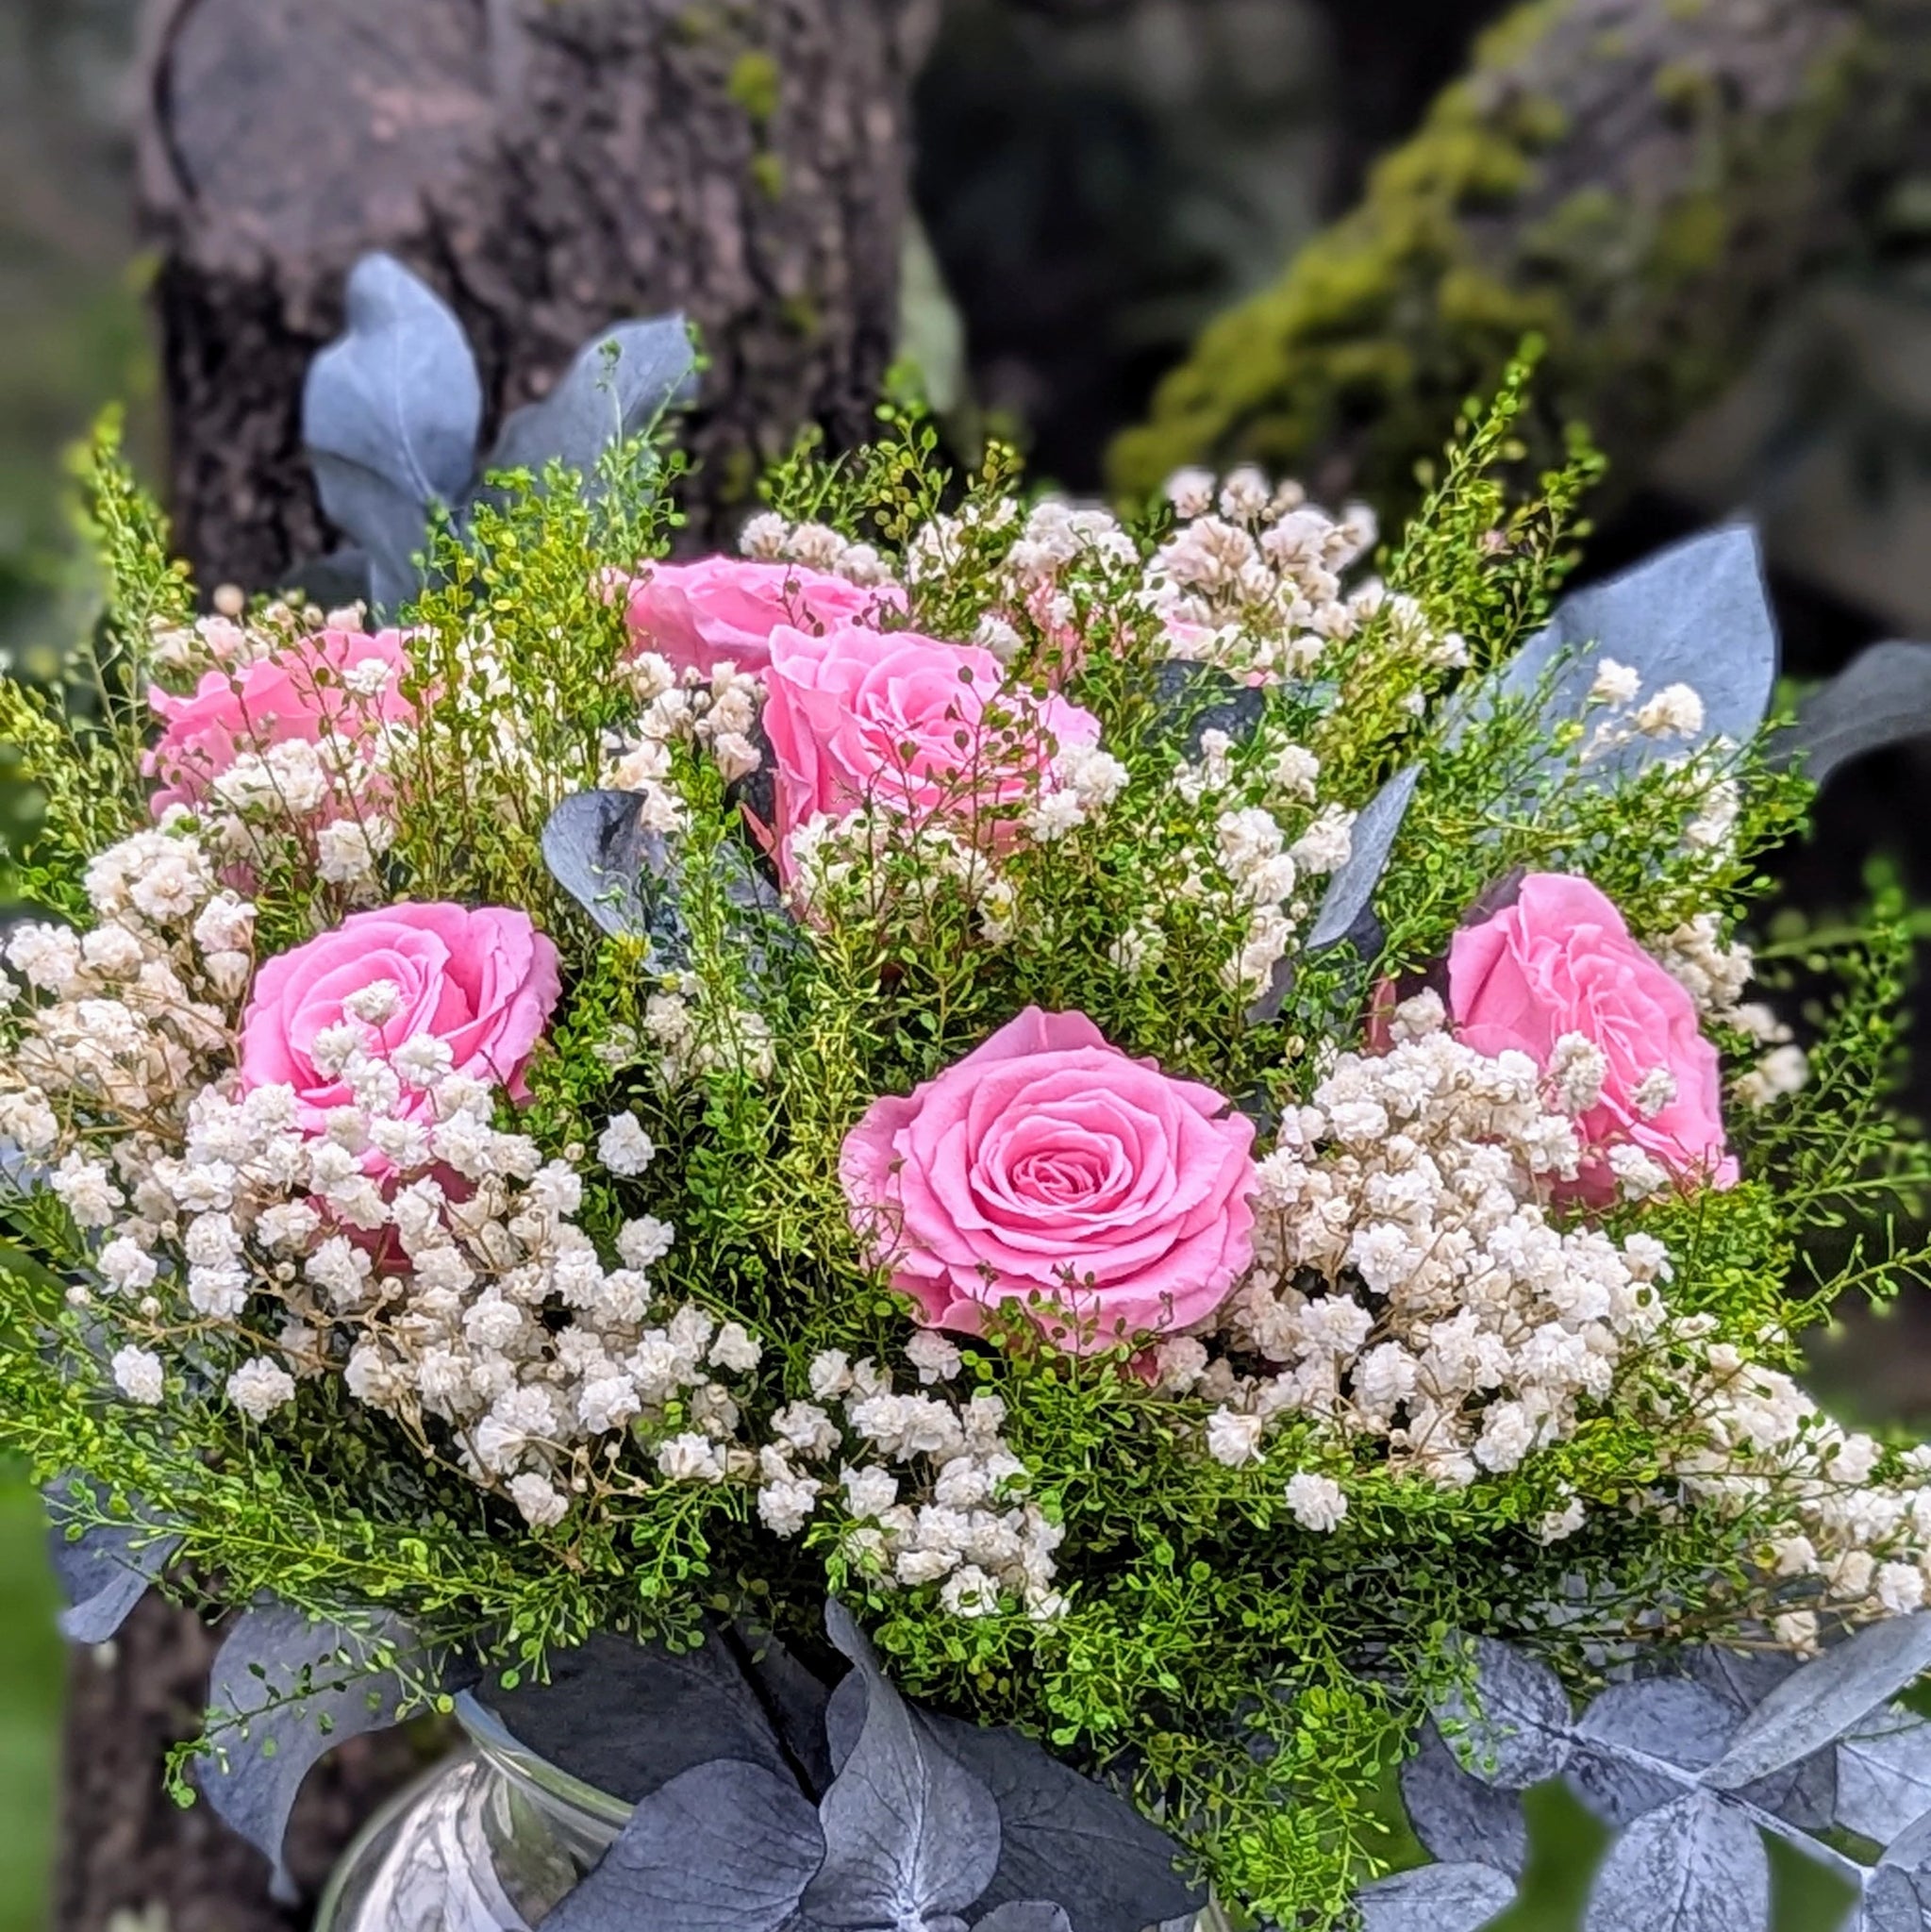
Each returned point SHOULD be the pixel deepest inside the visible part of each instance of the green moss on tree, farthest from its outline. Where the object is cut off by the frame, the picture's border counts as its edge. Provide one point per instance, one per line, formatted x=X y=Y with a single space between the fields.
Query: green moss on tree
x=1635 y=185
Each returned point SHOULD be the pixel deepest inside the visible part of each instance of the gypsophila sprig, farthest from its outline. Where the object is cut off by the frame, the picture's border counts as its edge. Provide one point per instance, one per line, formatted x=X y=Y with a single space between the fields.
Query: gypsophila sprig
x=1113 y=1095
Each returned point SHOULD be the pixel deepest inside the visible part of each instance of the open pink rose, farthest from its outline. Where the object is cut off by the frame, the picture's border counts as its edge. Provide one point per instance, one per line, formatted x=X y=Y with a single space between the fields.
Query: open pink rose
x=1047 y=1164
x=304 y=691
x=483 y=982
x=723 y=609
x=1561 y=960
x=902 y=723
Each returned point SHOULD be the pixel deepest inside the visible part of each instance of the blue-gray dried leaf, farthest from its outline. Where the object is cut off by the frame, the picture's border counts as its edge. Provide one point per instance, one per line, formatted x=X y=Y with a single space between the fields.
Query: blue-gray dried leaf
x=1434 y=1898
x=1881 y=697
x=1695 y=1865
x=1631 y=1727
x=722 y=1847
x=599 y=851
x=910 y=1832
x=1816 y=1704
x=1695 y=613
x=1511 y=1726
x=287 y=1690
x=1198 y=698
x=1459 y=1819
x=106 y=1569
x=1024 y=1915
x=1804 y=1794
x=390 y=415
x=1889 y=1904
x=617 y=388
x=1350 y=895
x=626 y=1717
x=1067 y=1837
x=1884 y=1775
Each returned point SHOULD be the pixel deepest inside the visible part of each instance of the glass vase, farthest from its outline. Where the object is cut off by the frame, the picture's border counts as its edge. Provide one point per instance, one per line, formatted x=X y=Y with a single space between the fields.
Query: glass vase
x=489 y=1840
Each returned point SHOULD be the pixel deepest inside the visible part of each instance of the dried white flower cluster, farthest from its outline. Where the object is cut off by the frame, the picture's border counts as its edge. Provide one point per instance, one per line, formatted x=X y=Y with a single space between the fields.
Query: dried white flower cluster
x=956 y=1517
x=719 y=713
x=1250 y=580
x=1716 y=973
x=769 y=539
x=1458 y=1324
x=1849 y=1521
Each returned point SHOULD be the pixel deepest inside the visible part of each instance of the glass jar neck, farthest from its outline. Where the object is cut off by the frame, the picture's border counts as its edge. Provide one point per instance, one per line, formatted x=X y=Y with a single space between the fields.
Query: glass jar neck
x=581 y=1809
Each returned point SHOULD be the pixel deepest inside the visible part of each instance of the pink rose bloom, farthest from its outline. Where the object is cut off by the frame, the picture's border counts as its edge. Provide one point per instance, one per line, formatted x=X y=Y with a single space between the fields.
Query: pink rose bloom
x=1561 y=960
x=857 y=719
x=723 y=609
x=298 y=694
x=484 y=982
x=1047 y=1163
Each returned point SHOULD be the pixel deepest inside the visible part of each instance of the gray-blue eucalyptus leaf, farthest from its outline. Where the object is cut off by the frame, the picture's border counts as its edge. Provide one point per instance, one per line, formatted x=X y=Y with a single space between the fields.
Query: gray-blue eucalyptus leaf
x=909 y=1833
x=1511 y=1725
x=1816 y=1704
x=1434 y=1898
x=1695 y=613
x=1457 y=1817
x=627 y=1717
x=105 y=1570
x=1889 y=1904
x=390 y=415
x=1882 y=697
x=1198 y=698
x=1350 y=893
x=1803 y=1793
x=617 y=388
x=1695 y=1865
x=721 y=1847
x=287 y=1690
x=599 y=851
x=1024 y=1915
x=1070 y=1839
x=1630 y=1728
x=1884 y=1775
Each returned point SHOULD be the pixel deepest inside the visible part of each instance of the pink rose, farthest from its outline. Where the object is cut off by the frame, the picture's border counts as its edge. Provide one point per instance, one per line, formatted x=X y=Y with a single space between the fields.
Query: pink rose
x=1047 y=1164
x=300 y=694
x=900 y=721
x=1561 y=960
x=723 y=609
x=483 y=982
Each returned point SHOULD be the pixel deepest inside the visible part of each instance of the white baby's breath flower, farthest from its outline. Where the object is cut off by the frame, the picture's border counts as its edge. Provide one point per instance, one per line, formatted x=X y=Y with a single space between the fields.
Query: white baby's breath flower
x=932 y=1355
x=260 y=1387
x=625 y=1147
x=138 y=1374
x=1614 y=683
x=538 y=1499
x=1234 y=1439
x=1316 y=1501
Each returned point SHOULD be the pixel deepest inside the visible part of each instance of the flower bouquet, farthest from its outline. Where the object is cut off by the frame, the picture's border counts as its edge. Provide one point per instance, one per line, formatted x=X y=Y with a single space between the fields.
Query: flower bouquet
x=990 y=1209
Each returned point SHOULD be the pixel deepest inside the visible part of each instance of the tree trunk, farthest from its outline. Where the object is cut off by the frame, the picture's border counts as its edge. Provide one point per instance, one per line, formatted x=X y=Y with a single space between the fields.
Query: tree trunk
x=1638 y=183
x=550 y=166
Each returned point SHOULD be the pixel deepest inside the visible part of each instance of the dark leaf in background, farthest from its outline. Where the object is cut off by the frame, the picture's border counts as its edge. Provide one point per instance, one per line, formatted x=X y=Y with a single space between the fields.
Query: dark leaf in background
x=105 y=1571
x=1024 y=1915
x=627 y=1717
x=389 y=416
x=722 y=1847
x=601 y=855
x=909 y=1833
x=1199 y=698
x=1350 y=893
x=299 y=1688
x=1457 y=1817
x=1882 y=697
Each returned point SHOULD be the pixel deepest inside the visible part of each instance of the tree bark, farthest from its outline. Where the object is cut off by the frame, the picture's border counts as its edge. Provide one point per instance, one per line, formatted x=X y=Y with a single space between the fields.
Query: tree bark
x=1638 y=183
x=549 y=166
